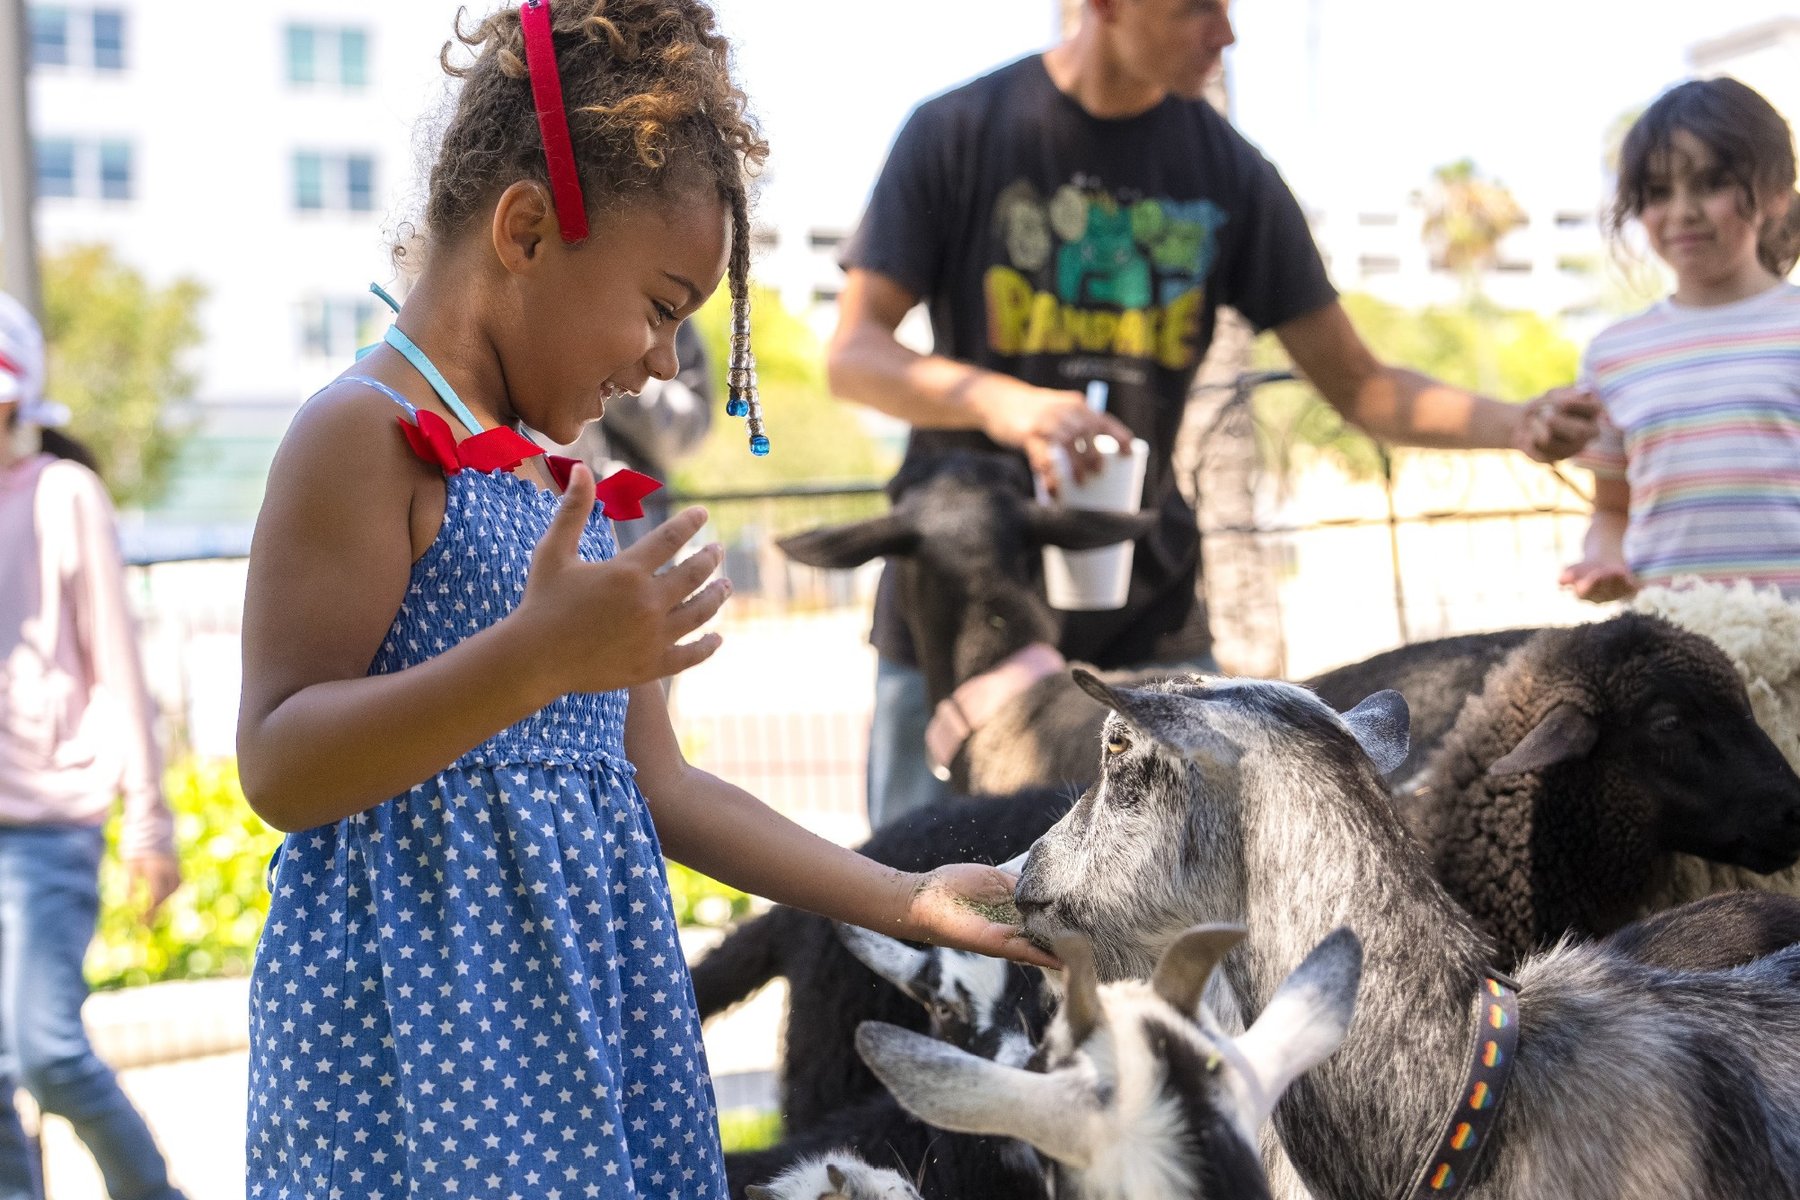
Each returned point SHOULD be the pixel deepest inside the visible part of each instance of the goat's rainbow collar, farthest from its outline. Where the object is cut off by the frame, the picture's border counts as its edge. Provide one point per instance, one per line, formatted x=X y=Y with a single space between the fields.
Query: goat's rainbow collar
x=971 y=705
x=1471 y=1122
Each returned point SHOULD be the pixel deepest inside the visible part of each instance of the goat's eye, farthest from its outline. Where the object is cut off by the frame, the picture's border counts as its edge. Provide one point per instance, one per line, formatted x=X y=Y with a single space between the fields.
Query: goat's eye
x=1117 y=742
x=1667 y=723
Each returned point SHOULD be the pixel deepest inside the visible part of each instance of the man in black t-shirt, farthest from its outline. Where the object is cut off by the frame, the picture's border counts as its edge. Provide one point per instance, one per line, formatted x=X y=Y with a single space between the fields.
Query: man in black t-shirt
x=1081 y=215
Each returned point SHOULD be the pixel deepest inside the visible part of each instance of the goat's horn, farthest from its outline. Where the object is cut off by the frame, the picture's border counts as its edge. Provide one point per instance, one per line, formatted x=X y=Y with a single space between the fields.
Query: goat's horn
x=1081 y=986
x=1186 y=966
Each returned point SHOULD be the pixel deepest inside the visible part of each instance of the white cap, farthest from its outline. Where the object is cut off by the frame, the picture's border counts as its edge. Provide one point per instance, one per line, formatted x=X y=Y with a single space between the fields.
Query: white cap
x=22 y=366
x=21 y=354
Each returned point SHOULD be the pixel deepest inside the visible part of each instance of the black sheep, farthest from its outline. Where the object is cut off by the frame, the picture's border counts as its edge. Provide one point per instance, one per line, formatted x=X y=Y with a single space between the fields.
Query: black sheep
x=1589 y=758
x=963 y=540
x=829 y=991
x=1437 y=677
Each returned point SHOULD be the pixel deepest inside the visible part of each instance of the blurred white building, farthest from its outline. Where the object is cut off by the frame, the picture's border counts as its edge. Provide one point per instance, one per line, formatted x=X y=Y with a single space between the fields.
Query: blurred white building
x=1766 y=56
x=267 y=151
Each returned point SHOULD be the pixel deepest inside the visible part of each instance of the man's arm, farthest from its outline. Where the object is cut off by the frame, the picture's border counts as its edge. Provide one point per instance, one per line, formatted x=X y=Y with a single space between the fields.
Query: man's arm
x=1403 y=406
x=867 y=364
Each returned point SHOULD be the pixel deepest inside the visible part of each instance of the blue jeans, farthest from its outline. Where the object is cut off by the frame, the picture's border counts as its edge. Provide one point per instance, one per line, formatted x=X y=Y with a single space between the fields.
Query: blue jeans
x=49 y=902
x=900 y=779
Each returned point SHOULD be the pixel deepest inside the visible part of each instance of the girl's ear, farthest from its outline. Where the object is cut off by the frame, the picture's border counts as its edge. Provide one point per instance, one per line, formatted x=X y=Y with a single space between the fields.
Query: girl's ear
x=523 y=220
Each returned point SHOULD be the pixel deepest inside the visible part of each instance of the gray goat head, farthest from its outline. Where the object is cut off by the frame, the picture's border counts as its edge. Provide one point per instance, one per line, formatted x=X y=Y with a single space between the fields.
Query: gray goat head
x=1156 y=844
x=1134 y=1092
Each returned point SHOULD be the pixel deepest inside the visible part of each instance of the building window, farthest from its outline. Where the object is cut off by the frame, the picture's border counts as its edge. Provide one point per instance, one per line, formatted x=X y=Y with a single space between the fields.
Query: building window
x=324 y=54
x=49 y=36
x=56 y=168
x=1378 y=264
x=359 y=183
x=115 y=170
x=109 y=39
x=85 y=169
x=336 y=327
x=335 y=182
x=77 y=37
x=1377 y=218
x=301 y=54
x=309 y=181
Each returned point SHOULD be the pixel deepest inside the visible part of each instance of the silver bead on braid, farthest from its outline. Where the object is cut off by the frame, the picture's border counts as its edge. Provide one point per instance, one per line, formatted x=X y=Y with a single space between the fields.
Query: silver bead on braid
x=742 y=399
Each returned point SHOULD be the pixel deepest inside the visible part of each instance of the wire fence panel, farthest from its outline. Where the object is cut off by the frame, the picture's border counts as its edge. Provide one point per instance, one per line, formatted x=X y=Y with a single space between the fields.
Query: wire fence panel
x=783 y=708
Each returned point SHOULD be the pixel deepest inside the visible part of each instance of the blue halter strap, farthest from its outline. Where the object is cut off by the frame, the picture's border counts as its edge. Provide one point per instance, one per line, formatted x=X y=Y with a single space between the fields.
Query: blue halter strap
x=424 y=366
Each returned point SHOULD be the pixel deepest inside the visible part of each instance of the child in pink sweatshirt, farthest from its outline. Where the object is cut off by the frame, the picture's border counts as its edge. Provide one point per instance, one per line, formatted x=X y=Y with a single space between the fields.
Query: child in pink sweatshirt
x=76 y=732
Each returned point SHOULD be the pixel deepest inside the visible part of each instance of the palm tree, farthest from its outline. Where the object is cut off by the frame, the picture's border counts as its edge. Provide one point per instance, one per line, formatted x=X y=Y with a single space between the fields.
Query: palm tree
x=1466 y=216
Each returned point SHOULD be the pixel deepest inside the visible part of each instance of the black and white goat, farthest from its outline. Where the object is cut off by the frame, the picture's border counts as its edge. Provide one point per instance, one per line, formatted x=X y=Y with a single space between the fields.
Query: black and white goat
x=976 y=1005
x=840 y=1176
x=1135 y=1093
x=829 y=991
x=1239 y=800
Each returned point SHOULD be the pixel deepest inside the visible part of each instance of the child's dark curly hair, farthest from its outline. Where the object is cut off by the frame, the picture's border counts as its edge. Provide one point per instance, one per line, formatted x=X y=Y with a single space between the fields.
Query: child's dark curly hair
x=652 y=111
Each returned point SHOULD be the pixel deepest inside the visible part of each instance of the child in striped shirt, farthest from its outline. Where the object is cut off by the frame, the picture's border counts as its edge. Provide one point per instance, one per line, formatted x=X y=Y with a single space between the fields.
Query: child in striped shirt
x=1697 y=466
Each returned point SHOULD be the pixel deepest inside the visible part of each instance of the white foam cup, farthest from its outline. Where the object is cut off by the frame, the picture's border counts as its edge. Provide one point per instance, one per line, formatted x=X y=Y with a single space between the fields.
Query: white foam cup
x=1093 y=580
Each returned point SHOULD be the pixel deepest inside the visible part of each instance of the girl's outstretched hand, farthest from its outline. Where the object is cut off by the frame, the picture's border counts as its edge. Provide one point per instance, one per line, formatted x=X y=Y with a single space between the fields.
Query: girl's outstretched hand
x=970 y=907
x=1599 y=581
x=619 y=623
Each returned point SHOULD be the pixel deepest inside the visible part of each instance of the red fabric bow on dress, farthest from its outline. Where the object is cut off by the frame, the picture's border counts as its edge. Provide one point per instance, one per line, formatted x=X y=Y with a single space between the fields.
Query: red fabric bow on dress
x=501 y=449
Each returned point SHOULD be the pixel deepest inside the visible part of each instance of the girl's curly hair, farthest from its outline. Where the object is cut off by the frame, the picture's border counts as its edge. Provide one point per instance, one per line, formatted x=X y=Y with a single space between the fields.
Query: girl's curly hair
x=652 y=108
x=1753 y=145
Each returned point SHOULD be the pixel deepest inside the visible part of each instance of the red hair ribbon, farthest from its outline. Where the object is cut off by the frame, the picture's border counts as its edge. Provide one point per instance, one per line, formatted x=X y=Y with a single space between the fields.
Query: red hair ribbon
x=621 y=494
x=553 y=122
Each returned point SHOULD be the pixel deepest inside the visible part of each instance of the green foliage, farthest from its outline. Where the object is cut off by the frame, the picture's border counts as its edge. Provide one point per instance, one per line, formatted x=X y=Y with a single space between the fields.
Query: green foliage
x=210 y=925
x=702 y=901
x=748 y=1129
x=116 y=350
x=815 y=438
x=1508 y=355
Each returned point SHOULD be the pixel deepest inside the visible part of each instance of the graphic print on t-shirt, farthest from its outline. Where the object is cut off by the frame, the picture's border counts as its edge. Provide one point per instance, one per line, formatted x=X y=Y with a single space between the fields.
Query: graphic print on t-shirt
x=1092 y=272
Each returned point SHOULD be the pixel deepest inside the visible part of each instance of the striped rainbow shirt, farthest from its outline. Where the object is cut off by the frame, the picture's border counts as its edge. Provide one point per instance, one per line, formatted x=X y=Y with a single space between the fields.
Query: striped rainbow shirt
x=1703 y=421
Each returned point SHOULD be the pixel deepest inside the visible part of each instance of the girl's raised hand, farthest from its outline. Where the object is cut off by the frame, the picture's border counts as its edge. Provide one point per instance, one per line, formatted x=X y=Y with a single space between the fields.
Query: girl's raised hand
x=619 y=623
x=970 y=907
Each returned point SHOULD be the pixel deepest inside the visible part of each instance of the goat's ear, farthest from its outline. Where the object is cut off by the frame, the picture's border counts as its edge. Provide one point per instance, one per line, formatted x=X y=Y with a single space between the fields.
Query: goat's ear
x=1564 y=734
x=1304 y=1022
x=1084 y=528
x=840 y=546
x=1382 y=726
x=948 y=1087
x=1186 y=966
x=1178 y=722
x=1081 y=986
x=757 y=1191
x=894 y=961
x=835 y=1176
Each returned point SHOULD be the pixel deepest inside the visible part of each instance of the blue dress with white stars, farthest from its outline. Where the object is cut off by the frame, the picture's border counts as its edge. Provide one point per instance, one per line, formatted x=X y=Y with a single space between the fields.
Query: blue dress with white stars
x=474 y=989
